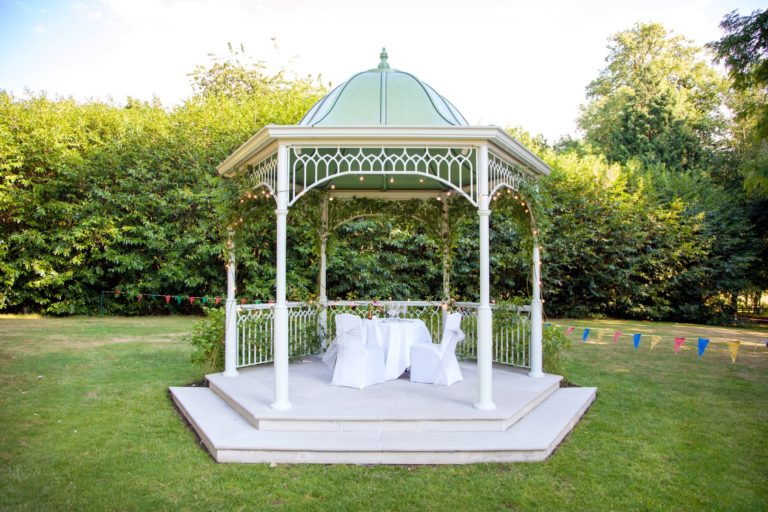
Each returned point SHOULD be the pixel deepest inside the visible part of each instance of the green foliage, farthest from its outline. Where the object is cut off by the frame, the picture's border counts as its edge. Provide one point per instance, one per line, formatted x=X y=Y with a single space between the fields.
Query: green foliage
x=554 y=344
x=98 y=197
x=207 y=340
x=656 y=101
x=646 y=218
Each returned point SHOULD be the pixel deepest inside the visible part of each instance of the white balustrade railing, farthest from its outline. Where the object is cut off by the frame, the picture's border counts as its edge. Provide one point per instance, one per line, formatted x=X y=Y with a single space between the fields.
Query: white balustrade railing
x=310 y=329
x=255 y=329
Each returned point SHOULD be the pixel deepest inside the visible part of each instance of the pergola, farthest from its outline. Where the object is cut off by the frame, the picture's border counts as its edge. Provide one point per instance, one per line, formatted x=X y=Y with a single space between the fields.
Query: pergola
x=384 y=134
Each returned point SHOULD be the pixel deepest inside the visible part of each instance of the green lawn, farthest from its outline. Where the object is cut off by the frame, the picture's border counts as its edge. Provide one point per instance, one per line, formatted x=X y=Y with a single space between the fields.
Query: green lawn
x=86 y=424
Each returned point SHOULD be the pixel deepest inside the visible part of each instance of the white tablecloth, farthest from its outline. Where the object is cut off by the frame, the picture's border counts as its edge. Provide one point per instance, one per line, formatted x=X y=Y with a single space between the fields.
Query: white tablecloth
x=396 y=338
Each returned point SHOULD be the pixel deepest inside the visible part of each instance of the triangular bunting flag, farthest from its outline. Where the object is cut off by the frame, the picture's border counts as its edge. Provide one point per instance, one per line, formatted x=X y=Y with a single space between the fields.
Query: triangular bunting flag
x=218 y=299
x=585 y=335
x=138 y=298
x=117 y=293
x=178 y=299
x=679 y=343
x=655 y=341
x=636 y=340
x=205 y=300
x=703 y=342
x=191 y=300
x=569 y=330
x=242 y=301
x=167 y=299
x=600 y=336
x=733 y=348
x=616 y=336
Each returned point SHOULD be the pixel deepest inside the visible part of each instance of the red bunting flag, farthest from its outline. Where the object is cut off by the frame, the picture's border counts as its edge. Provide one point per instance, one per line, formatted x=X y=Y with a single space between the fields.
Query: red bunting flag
x=569 y=330
x=167 y=299
x=117 y=293
x=138 y=298
x=242 y=301
x=218 y=299
x=191 y=300
x=616 y=336
x=679 y=343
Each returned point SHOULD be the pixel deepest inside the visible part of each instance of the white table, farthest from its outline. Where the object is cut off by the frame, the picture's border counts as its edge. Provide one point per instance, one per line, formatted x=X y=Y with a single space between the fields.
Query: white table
x=396 y=336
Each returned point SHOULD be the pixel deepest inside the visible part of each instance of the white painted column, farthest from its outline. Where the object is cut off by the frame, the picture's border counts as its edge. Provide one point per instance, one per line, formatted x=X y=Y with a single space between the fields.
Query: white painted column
x=536 y=315
x=323 y=296
x=230 y=323
x=484 y=313
x=280 y=339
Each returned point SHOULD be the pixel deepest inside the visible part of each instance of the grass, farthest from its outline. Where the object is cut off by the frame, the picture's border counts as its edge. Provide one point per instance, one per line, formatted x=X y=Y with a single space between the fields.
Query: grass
x=86 y=424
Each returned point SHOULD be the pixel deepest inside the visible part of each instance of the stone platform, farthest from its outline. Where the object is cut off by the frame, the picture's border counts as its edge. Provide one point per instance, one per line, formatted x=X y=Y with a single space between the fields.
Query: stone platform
x=397 y=422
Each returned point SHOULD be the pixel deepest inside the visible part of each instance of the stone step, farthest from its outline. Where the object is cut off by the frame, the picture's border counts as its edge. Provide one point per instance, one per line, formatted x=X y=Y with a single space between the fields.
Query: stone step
x=231 y=438
x=397 y=405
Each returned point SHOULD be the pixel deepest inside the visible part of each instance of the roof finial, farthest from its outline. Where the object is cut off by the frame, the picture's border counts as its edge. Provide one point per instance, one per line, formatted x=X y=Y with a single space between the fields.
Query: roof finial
x=383 y=55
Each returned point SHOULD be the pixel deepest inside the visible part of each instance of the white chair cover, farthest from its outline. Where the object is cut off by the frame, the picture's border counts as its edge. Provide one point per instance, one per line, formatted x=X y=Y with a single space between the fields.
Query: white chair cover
x=347 y=327
x=437 y=364
x=354 y=364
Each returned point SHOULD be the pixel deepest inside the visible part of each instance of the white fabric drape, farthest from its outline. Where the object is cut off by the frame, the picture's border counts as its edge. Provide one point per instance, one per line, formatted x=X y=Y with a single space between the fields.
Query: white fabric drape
x=437 y=364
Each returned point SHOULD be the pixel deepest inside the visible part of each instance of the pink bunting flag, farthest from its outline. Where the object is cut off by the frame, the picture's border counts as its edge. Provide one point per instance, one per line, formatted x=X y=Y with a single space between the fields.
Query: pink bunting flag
x=191 y=300
x=138 y=298
x=218 y=299
x=616 y=336
x=569 y=330
x=679 y=343
x=242 y=301
x=167 y=299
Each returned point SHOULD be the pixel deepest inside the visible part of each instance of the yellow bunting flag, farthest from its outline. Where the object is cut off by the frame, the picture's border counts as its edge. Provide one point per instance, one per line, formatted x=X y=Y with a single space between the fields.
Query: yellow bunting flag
x=655 y=341
x=733 y=348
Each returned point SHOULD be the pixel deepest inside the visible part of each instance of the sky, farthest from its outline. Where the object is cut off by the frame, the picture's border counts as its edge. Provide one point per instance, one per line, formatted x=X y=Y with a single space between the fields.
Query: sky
x=506 y=63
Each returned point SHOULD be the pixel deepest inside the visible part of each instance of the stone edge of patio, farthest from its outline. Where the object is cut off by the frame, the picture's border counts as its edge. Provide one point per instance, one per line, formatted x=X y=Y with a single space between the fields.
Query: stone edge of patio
x=382 y=408
x=231 y=438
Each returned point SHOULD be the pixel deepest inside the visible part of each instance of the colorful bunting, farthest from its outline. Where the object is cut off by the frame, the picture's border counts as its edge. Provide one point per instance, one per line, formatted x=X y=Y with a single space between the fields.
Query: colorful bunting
x=679 y=343
x=138 y=298
x=167 y=299
x=569 y=330
x=733 y=348
x=585 y=335
x=191 y=300
x=636 y=340
x=178 y=299
x=616 y=336
x=703 y=342
x=218 y=299
x=242 y=301
x=655 y=341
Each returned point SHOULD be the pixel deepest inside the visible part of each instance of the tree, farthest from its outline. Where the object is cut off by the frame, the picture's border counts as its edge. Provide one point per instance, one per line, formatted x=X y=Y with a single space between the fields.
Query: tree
x=656 y=101
x=744 y=51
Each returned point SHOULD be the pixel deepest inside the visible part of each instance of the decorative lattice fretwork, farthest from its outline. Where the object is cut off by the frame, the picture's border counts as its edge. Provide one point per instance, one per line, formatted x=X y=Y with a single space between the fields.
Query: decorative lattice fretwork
x=264 y=174
x=454 y=167
x=502 y=173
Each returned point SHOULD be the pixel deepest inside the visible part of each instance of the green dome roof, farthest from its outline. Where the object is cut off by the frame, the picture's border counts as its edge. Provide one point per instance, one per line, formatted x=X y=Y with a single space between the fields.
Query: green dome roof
x=383 y=96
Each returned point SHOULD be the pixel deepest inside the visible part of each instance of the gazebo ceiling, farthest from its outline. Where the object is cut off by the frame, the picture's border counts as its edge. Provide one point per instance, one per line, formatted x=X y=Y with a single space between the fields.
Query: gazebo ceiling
x=383 y=96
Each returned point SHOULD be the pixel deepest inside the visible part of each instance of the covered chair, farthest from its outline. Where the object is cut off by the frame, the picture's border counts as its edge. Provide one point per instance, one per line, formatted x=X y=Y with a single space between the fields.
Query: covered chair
x=437 y=364
x=354 y=363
